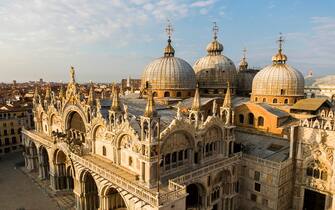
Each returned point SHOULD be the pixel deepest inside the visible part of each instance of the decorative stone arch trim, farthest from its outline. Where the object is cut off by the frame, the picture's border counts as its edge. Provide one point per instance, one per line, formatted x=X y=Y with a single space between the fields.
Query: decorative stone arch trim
x=68 y=110
x=190 y=139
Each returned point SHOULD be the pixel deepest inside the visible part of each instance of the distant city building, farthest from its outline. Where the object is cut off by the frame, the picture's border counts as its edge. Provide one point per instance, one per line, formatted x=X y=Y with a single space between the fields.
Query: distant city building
x=13 y=118
x=320 y=87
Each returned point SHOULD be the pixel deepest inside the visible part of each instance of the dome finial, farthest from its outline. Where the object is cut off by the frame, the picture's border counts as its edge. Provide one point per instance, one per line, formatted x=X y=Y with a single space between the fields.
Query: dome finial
x=169 y=51
x=244 y=64
x=214 y=47
x=72 y=74
x=215 y=31
x=280 y=58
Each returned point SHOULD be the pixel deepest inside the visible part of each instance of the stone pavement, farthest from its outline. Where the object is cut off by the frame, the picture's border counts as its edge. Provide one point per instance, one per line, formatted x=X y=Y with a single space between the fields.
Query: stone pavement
x=22 y=190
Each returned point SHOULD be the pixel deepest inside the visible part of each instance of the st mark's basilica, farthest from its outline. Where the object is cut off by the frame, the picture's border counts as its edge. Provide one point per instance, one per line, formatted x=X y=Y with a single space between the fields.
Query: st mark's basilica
x=209 y=137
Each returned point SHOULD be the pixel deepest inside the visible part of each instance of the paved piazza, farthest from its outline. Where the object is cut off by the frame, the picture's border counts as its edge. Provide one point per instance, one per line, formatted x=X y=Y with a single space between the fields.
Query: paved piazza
x=20 y=190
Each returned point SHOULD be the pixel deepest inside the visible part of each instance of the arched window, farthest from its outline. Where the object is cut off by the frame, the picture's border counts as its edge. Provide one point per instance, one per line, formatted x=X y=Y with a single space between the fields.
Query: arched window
x=286 y=101
x=316 y=173
x=251 y=118
x=282 y=92
x=264 y=99
x=256 y=99
x=241 y=118
x=309 y=171
x=260 y=121
x=178 y=94
x=166 y=94
x=104 y=153
x=274 y=101
x=155 y=94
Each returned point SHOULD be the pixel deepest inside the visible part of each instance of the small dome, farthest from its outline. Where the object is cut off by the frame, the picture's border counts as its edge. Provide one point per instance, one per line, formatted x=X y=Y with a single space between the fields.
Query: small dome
x=278 y=83
x=278 y=80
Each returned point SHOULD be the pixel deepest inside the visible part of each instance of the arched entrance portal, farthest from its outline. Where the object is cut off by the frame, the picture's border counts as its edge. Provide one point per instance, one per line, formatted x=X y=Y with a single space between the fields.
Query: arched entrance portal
x=31 y=157
x=90 y=192
x=195 y=198
x=63 y=175
x=44 y=169
x=111 y=199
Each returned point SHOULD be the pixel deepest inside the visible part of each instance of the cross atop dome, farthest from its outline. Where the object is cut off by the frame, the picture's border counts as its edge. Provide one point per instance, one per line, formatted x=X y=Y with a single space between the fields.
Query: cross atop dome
x=169 y=29
x=245 y=53
x=215 y=30
x=280 y=41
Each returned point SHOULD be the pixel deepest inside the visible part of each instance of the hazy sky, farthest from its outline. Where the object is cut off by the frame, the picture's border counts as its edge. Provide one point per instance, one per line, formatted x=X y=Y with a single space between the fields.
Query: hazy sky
x=106 y=40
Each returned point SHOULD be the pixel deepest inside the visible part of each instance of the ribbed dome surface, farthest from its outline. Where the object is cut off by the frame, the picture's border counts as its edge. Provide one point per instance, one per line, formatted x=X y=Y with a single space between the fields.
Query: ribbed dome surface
x=278 y=79
x=215 y=71
x=169 y=73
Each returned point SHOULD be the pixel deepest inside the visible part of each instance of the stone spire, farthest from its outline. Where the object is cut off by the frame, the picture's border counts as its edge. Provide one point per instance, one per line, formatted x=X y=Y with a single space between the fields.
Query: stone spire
x=72 y=75
x=115 y=99
x=150 y=109
x=48 y=92
x=227 y=99
x=91 y=95
x=61 y=92
x=196 y=100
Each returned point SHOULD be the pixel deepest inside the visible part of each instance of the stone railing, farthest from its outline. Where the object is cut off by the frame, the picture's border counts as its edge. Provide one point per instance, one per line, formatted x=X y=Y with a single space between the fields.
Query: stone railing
x=137 y=190
x=219 y=165
x=45 y=140
x=268 y=163
x=176 y=191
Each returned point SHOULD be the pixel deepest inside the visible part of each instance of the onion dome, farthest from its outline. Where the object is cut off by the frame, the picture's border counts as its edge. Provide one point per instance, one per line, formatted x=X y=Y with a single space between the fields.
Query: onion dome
x=169 y=75
x=215 y=70
x=278 y=83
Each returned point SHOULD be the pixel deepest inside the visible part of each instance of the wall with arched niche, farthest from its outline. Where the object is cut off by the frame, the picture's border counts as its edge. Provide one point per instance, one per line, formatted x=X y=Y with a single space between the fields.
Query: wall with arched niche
x=103 y=146
x=55 y=123
x=128 y=153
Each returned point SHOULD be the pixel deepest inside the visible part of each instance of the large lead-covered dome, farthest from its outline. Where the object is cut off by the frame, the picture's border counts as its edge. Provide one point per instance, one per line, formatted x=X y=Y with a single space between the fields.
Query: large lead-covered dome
x=169 y=76
x=215 y=70
x=278 y=83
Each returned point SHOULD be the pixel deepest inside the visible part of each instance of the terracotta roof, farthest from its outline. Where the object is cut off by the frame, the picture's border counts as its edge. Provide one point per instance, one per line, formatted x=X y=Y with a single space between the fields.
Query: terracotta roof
x=310 y=104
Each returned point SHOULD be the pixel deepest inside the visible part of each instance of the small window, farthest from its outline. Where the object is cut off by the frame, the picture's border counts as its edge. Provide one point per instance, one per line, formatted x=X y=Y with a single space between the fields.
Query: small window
x=286 y=101
x=282 y=92
x=264 y=99
x=265 y=202
x=257 y=187
x=104 y=151
x=251 y=119
x=180 y=155
x=316 y=173
x=260 y=121
x=130 y=161
x=274 y=101
x=241 y=118
x=253 y=197
x=167 y=94
x=256 y=99
x=257 y=175
x=178 y=94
